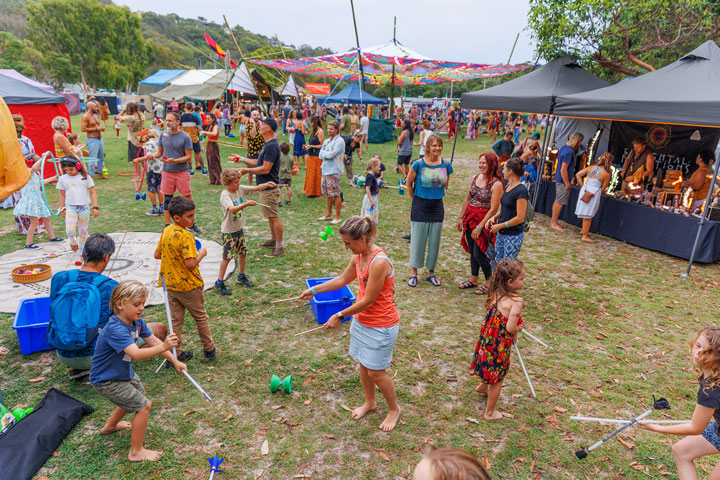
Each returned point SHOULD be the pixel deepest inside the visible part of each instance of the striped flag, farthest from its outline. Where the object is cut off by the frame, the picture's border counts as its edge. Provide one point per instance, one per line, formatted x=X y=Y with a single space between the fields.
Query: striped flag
x=218 y=50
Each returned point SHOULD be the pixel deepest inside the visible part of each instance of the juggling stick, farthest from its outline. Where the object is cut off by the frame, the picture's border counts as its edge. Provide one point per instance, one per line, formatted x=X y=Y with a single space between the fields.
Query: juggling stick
x=263 y=205
x=535 y=338
x=659 y=404
x=517 y=350
x=617 y=420
x=161 y=365
x=308 y=331
x=170 y=328
x=285 y=300
x=214 y=465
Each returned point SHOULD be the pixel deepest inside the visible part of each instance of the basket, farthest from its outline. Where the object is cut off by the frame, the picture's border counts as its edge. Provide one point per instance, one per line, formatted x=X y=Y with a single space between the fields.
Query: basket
x=31 y=277
x=325 y=304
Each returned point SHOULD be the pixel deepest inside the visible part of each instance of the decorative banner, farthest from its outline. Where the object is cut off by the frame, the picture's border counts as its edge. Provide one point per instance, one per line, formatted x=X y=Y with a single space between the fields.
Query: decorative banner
x=318 y=88
x=675 y=147
x=72 y=102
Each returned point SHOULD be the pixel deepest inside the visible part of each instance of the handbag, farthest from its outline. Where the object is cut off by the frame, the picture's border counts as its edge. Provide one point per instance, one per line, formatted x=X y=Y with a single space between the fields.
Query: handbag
x=587 y=196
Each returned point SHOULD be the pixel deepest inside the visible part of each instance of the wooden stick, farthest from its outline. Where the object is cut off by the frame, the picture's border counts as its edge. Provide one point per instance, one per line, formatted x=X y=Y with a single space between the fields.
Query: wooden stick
x=308 y=331
x=161 y=365
x=285 y=300
x=612 y=420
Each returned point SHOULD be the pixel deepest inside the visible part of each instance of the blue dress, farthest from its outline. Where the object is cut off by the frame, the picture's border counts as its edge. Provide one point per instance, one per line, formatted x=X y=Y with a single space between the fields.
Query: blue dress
x=299 y=143
x=31 y=202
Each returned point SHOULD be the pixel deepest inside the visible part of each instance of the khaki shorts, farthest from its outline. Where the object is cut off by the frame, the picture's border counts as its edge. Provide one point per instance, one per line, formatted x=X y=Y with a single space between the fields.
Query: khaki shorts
x=562 y=194
x=270 y=197
x=128 y=395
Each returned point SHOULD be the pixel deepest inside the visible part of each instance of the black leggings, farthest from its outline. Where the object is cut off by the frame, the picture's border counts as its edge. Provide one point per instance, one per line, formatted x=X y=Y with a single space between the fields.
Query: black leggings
x=478 y=260
x=227 y=128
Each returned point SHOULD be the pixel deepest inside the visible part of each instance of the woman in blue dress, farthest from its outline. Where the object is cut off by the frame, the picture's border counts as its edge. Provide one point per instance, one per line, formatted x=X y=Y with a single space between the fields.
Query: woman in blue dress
x=299 y=150
x=33 y=206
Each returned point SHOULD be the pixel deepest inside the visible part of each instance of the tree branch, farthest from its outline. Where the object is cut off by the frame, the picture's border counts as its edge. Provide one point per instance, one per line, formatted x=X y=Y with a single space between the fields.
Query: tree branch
x=615 y=66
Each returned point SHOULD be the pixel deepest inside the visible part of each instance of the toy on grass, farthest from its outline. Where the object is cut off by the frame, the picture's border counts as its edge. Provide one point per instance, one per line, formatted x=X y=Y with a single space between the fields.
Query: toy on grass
x=8 y=418
x=328 y=232
x=214 y=465
x=359 y=180
x=198 y=245
x=170 y=328
x=286 y=384
x=78 y=262
x=138 y=188
x=659 y=404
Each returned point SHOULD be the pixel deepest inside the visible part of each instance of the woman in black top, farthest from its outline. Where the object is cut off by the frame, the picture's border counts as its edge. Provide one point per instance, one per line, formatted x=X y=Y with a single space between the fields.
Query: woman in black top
x=510 y=226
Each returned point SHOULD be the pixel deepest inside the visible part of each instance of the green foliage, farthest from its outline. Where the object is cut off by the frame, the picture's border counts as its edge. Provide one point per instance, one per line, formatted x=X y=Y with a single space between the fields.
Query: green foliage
x=615 y=38
x=14 y=17
x=101 y=42
x=12 y=54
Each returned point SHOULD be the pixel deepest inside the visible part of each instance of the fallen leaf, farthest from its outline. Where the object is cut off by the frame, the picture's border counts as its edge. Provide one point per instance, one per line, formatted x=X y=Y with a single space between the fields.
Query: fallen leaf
x=56 y=454
x=560 y=409
x=329 y=435
x=275 y=407
x=36 y=379
x=307 y=402
x=384 y=456
x=228 y=417
x=5 y=351
x=487 y=463
x=472 y=420
x=345 y=407
x=189 y=412
x=19 y=405
x=265 y=448
x=627 y=445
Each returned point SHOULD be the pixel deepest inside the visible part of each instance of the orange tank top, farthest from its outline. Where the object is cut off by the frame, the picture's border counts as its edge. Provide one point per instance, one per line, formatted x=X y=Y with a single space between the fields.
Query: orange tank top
x=383 y=313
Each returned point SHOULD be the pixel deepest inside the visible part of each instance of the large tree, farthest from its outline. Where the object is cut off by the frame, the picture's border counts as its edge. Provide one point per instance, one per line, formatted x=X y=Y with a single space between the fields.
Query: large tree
x=628 y=37
x=100 y=44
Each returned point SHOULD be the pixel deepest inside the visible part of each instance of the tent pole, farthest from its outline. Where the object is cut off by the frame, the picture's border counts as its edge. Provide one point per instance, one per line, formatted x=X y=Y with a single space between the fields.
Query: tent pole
x=702 y=220
x=242 y=60
x=392 y=78
x=543 y=155
x=452 y=154
x=357 y=41
x=338 y=82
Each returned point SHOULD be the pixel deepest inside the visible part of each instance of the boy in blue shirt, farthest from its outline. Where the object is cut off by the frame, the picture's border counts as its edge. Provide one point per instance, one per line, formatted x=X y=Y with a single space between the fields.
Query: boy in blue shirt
x=112 y=375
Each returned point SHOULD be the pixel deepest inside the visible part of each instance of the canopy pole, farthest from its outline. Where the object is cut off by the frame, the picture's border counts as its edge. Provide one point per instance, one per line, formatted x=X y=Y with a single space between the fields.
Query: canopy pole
x=338 y=82
x=392 y=78
x=513 y=49
x=452 y=154
x=702 y=220
x=543 y=155
x=357 y=41
x=242 y=60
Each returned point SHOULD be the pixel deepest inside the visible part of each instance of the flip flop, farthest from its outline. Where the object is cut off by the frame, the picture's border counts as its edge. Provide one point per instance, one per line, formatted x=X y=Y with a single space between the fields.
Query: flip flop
x=412 y=281
x=467 y=284
x=434 y=280
x=481 y=291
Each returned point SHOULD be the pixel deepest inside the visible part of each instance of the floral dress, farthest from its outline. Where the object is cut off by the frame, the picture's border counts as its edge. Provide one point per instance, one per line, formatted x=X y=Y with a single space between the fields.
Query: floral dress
x=491 y=359
x=31 y=202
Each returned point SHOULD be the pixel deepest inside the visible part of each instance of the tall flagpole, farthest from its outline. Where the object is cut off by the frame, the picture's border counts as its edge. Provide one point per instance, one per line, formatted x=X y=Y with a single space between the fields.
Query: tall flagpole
x=242 y=60
x=392 y=78
x=357 y=41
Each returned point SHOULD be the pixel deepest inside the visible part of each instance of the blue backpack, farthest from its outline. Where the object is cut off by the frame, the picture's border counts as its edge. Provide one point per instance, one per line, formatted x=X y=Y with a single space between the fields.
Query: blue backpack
x=75 y=314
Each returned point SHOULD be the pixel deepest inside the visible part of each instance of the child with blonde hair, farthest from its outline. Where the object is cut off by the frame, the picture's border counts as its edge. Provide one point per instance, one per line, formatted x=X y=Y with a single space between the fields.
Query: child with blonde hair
x=372 y=190
x=449 y=463
x=502 y=324
x=703 y=435
x=112 y=375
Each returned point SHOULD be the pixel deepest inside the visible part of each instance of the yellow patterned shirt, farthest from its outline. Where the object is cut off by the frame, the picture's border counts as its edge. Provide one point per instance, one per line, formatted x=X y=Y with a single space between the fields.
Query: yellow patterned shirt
x=176 y=245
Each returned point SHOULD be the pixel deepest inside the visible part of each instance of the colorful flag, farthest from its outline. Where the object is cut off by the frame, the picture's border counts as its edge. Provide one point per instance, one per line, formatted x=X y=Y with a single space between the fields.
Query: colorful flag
x=218 y=50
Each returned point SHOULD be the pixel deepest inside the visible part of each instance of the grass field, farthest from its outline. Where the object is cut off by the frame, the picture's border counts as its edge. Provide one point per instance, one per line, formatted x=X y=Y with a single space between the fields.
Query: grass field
x=618 y=320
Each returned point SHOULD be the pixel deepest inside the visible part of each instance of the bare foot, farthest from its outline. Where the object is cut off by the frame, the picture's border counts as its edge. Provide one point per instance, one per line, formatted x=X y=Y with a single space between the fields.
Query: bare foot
x=558 y=227
x=144 y=455
x=123 y=425
x=495 y=415
x=390 y=421
x=482 y=388
x=587 y=240
x=360 y=411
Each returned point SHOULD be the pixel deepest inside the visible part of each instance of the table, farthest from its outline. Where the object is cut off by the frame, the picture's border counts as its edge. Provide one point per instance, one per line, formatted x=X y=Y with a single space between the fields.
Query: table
x=640 y=225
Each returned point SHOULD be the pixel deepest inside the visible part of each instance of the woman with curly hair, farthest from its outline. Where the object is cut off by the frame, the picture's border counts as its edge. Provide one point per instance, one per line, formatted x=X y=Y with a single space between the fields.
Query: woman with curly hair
x=703 y=437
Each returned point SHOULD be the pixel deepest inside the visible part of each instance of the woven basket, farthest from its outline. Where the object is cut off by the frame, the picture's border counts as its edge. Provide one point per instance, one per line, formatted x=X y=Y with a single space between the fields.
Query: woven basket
x=31 y=277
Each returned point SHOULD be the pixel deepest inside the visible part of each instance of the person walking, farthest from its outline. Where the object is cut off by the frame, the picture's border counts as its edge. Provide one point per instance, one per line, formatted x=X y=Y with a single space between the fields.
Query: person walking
x=564 y=173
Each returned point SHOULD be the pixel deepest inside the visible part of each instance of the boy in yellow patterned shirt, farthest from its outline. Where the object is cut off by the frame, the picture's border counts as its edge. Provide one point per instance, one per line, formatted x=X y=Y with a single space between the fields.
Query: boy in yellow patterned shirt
x=179 y=260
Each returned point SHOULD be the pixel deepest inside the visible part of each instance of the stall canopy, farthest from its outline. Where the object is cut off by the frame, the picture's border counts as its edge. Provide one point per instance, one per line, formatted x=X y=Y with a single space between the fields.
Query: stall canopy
x=685 y=92
x=536 y=91
x=157 y=81
x=196 y=84
x=9 y=72
x=353 y=94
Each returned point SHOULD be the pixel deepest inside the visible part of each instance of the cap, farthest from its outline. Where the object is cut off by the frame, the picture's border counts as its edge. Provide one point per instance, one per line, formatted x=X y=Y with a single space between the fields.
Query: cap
x=536 y=135
x=270 y=122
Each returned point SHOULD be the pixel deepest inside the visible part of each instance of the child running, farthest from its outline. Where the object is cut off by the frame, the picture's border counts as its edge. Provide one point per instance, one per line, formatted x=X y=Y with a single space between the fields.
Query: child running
x=372 y=189
x=179 y=260
x=497 y=335
x=32 y=205
x=287 y=163
x=112 y=375
x=703 y=436
x=153 y=166
x=233 y=222
x=77 y=190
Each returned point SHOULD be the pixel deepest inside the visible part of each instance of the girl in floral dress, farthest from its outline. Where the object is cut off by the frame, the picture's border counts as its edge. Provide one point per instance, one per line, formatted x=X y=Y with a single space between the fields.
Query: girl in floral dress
x=497 y=335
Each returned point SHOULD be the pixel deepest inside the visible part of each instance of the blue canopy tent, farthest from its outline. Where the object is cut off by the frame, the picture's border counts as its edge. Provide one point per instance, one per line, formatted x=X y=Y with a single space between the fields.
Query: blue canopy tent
x=157 y=81
x=353 y=95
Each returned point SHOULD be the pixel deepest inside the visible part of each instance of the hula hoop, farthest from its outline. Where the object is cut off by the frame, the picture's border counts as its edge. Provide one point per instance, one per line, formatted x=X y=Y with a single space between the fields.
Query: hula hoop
x=42 y=181
x=126 y=173
x=144 y=171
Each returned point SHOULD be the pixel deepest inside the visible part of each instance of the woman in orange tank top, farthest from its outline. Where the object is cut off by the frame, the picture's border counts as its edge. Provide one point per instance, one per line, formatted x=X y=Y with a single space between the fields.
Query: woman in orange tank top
x=374 y=330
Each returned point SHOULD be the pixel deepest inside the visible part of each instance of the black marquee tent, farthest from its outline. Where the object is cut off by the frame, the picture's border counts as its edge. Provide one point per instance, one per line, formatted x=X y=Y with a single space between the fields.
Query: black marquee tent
x=536 y=91
x=686 y=92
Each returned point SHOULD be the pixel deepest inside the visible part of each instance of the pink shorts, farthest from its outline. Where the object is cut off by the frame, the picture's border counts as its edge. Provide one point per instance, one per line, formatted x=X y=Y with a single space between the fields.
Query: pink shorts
x=179 y=181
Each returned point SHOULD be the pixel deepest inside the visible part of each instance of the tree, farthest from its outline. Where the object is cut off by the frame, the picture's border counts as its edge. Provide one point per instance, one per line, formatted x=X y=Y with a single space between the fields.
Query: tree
x=627 y=37
x=100 y=43
x=12 y=55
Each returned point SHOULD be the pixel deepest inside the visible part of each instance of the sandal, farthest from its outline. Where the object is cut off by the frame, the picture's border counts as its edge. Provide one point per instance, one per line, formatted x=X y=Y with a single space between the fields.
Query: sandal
x=467 y=284
x=434 y=280
x=57 y=239
x=412 y=281
x=32 y=246
x=481 y=291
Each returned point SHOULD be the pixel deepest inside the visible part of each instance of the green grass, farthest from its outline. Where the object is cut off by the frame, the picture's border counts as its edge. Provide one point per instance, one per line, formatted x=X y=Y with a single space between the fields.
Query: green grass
x=618 y=320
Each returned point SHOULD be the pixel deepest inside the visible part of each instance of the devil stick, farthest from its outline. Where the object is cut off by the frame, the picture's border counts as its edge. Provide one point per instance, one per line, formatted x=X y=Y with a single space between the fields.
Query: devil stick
x=517 y=350
x=659 y=404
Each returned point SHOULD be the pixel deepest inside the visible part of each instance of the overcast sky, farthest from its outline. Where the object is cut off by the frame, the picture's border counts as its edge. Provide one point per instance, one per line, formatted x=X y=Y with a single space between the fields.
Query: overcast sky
x=473 y=31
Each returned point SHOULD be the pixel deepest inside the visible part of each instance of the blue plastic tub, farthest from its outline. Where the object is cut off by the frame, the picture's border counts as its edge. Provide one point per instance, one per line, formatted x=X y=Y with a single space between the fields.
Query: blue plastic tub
x=31 y=324
x=324 y=305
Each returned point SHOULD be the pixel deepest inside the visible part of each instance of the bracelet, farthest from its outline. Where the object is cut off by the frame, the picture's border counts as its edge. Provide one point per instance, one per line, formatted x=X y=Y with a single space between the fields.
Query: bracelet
x=312 y=289
x=477 y=227
x=506 y=225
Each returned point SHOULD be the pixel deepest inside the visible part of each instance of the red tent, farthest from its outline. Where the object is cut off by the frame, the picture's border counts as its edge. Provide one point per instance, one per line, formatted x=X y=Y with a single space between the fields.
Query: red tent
x=38 y=108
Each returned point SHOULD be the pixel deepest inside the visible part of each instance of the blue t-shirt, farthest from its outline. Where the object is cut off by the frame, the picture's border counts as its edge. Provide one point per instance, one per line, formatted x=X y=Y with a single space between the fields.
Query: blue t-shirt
x=565 y=155
x=110 y=362
x=503 y=147
x=106 y=288
x=431 y=180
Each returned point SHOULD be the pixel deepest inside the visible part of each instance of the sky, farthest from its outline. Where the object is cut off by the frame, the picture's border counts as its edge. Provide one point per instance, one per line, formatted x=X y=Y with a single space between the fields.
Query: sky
x=472 y=31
